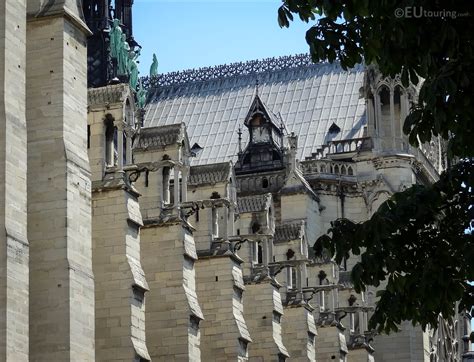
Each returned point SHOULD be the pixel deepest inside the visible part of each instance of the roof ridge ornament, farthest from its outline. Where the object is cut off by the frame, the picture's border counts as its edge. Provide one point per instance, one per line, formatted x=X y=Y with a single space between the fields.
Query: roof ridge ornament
x=228 y=70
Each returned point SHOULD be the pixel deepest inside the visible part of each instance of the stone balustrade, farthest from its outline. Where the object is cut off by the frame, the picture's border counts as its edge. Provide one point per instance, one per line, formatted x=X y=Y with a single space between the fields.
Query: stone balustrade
x=328 y=167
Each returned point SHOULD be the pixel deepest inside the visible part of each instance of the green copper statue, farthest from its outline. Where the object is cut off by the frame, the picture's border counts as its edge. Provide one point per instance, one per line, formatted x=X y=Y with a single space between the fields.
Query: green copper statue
x=154 y=66
x=141 y=96
x=115 y=39
x=123 y=57
x=132 y=70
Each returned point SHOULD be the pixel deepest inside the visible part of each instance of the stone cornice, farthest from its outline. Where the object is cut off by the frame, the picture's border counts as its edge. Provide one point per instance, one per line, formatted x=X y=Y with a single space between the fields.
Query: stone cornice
x=68 y=9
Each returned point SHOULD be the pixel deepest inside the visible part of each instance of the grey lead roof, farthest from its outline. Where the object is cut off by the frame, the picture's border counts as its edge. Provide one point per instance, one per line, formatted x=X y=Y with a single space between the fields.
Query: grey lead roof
x=309 y=98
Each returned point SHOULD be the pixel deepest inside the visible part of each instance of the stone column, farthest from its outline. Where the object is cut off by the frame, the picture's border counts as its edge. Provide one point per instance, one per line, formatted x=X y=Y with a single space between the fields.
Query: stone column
x=160 y=187
x=13 y=235
x=392 y=117
x=377 y=121
x=225 y=224
x=120 y=146
x=129 y=147
x=230 y=221
x=184 y=183
x=176 y=186
x=59 y=187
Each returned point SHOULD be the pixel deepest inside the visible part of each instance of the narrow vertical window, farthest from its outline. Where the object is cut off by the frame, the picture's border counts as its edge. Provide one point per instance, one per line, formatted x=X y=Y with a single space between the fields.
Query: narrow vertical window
x=115 y=147
x=124 y=148
x=166 y=185
x=289 y=278
x=215 y=223
x=260 y=253
x=109 y=142
x=352 y=322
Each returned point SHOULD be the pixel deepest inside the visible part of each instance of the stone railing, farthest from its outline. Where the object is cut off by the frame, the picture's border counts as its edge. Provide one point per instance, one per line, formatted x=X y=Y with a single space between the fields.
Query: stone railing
x=327 y=167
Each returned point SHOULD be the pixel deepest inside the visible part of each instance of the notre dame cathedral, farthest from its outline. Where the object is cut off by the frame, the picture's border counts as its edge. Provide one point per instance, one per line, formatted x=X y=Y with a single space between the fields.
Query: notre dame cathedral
x=178 y=224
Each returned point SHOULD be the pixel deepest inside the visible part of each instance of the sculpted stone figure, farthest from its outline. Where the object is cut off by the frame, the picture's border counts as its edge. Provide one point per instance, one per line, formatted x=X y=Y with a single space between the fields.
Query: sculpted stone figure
x=123 y=57
x=141 y=96
x=154 y=66
x=115 y=39
x=133 y=70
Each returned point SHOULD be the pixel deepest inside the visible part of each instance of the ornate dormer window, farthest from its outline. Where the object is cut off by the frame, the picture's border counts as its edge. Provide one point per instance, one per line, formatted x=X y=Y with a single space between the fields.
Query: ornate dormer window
x=264 y=150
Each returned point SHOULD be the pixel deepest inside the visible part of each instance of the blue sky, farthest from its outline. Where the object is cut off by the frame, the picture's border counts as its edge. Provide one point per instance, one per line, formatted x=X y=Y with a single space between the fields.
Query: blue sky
x=192 y=34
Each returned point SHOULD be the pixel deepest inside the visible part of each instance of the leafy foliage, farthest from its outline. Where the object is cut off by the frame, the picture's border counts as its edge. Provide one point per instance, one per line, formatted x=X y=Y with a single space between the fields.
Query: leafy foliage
x=436 y=48
x=417 y=241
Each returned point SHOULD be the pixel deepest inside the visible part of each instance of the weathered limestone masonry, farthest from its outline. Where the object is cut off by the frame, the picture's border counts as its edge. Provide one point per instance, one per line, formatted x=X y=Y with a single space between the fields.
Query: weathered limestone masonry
x=263 y=313
x=120 y=283
x=168 y=255
x=299 y=333
x=13 y=239
x=173 y=313
x=263 y=304
x=364 y=354
x=220 y=288
x=331 y=340
x=119 y=279
x=219 y=269
x=59 y=187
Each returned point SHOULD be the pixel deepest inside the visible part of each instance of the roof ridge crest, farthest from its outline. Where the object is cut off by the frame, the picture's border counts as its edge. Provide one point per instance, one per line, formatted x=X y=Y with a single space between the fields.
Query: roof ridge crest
x=228 y=70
